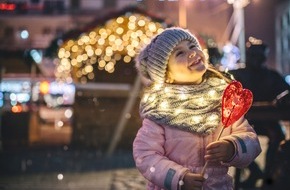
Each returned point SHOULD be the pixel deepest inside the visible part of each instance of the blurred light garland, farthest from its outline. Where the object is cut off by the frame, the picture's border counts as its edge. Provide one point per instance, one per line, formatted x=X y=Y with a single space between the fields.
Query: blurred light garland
x=118 y=40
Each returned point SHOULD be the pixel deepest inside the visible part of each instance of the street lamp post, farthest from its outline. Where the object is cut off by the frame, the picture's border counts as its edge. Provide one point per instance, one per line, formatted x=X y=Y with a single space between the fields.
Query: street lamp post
x=238 y=35
x=182 y=17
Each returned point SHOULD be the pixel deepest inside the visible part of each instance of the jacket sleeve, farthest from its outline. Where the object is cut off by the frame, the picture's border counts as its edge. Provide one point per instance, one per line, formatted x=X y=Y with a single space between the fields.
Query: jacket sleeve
x=150 y=159
x=246 y=143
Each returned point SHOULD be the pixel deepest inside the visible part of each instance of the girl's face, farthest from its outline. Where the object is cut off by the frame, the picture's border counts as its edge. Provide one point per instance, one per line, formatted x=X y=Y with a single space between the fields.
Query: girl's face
x=186 y=64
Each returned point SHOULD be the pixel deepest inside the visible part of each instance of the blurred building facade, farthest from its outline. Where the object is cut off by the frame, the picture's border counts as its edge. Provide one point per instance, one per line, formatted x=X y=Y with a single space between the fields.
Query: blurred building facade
x=29 y=26
x=52 y=113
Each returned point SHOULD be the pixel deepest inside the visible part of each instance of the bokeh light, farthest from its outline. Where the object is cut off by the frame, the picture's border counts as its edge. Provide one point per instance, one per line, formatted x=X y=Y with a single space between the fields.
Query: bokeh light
x=116 y=42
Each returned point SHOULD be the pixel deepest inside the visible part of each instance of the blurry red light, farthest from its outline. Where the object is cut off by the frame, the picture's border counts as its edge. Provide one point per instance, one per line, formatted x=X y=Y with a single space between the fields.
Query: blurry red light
x=7 y=6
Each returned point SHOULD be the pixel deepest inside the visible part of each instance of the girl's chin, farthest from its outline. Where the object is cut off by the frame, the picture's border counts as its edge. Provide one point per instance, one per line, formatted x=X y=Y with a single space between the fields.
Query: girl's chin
x=201 y=67
x=195 y=78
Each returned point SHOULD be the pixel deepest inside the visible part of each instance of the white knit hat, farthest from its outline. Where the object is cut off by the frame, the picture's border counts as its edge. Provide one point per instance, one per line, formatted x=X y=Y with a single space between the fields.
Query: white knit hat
x=153 y=59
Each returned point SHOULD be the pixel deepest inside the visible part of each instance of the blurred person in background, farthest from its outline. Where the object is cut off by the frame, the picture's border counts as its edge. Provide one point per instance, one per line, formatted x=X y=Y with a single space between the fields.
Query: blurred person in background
x=266 y=85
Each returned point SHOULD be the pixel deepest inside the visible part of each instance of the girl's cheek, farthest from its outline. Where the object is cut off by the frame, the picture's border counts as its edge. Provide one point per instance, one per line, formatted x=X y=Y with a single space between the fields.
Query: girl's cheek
x=206 y=64
x=200 y=53
x=181 y=59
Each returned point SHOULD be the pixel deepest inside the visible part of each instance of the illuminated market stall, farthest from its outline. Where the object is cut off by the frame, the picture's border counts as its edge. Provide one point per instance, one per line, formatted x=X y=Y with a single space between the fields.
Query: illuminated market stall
x=99 y=60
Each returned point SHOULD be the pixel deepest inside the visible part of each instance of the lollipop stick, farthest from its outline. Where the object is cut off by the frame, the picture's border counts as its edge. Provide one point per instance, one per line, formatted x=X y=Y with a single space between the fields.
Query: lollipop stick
x=220 y=134
x=206 y=163
x=203 y=169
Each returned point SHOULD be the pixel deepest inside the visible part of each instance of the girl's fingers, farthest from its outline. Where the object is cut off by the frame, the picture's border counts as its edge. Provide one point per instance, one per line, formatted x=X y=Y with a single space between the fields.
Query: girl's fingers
x=215 y=157
x=212 y=145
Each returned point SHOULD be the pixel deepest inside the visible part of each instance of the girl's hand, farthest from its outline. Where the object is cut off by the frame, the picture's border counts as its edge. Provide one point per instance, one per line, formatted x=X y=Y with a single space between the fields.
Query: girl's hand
x=221 y=150
x=192 y=181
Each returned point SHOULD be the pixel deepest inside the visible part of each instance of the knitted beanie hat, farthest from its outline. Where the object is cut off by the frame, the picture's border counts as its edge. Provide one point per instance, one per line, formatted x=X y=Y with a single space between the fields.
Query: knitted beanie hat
x=153 y=59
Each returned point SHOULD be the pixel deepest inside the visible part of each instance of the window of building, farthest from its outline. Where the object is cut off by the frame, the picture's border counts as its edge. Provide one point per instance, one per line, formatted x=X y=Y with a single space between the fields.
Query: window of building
x=46 y=30
x=8 y=32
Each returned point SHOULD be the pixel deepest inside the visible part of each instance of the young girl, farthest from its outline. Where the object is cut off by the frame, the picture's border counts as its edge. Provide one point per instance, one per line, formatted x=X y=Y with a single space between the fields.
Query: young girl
x=181 y=112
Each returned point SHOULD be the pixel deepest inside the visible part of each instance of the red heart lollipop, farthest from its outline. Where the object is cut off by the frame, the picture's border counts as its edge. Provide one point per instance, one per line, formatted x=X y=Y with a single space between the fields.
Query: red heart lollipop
x=236 y=101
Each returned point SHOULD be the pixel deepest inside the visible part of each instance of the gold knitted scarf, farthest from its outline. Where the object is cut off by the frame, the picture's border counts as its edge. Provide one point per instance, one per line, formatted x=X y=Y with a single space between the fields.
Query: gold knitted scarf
x=193 y=108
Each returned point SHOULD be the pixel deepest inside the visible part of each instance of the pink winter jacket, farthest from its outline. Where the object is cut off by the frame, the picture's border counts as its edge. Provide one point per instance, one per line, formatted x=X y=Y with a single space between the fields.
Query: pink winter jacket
x=163 y=154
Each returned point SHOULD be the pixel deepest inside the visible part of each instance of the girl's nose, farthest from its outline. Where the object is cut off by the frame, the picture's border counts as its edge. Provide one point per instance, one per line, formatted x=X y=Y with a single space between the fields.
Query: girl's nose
x=192 y=54
x=195 y=53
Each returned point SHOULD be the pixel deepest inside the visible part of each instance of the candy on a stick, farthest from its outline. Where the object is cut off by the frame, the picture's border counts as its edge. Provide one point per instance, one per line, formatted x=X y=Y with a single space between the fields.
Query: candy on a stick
x=236 y=102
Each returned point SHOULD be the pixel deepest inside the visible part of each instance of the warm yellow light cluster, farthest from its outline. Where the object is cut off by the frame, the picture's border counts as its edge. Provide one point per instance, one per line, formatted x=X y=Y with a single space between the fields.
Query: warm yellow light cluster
x=117 y=41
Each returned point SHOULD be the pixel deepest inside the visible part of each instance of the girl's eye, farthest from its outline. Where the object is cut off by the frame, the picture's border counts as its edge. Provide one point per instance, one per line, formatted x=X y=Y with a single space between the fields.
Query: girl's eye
x=179 y=53
x=191 y=46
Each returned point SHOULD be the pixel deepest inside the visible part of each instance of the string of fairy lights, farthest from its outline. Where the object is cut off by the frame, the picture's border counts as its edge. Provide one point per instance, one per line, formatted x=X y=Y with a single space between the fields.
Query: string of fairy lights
x=117 y=41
